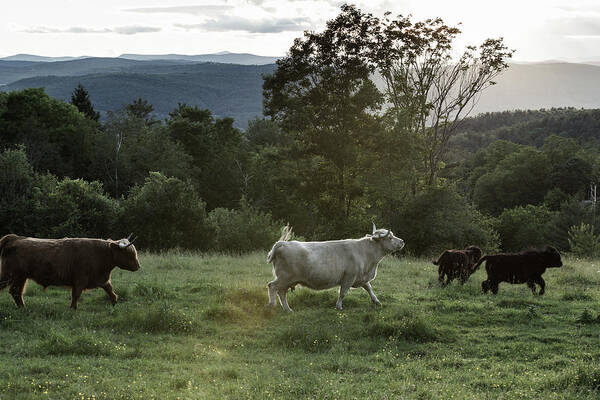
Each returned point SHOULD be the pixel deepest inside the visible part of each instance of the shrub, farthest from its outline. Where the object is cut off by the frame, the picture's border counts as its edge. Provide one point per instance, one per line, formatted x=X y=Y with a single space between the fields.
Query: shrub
x=439 y=218
x=572 y=213
x=583 y=242
x=166 y=213
x=16 y=181
x=523 y=227
x=242 y=230
x=520 y=178
x=73 y=207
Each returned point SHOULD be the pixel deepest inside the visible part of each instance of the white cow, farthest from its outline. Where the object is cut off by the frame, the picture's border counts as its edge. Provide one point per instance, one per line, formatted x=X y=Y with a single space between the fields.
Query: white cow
x=323 y=265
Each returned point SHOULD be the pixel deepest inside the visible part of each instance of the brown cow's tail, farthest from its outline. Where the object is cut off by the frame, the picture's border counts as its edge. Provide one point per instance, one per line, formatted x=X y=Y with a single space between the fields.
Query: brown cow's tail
x=439 y=260
x=481 y=260
x=286 y=234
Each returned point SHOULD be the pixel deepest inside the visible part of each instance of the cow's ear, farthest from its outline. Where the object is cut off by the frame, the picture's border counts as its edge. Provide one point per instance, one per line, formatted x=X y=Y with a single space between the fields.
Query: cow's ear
x=114 y=245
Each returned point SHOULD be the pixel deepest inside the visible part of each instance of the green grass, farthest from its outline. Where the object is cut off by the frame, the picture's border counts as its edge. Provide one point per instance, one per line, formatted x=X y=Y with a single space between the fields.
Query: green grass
x=196 y=327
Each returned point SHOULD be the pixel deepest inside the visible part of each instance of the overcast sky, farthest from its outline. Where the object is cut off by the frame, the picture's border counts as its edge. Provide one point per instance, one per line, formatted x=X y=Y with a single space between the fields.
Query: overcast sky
x=537 y=29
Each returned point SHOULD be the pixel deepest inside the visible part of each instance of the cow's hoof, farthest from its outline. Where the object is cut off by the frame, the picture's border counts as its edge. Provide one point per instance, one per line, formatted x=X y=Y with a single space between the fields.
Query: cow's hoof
x=377 y=303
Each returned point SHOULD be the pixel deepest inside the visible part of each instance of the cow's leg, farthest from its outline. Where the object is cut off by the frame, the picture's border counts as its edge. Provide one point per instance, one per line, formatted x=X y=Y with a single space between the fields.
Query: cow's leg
x=5 y=279
x=282 y=293
x=110 y=292
x=531 y=286
x=450 y=275
x=272 y=290
x=464 y=275
x=343 y=290
x=494 y=286
x=16 y=290
x=485 y=286
x=75 y=294
x=540 y=281
x=441 y=274
x=369 y=289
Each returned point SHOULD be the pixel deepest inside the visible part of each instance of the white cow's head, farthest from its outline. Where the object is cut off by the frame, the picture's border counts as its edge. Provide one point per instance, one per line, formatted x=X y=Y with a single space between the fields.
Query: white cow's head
x=387 y=239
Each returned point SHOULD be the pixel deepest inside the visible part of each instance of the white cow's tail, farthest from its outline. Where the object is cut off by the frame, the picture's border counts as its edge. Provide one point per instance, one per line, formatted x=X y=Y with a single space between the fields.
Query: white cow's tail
x=286 y=234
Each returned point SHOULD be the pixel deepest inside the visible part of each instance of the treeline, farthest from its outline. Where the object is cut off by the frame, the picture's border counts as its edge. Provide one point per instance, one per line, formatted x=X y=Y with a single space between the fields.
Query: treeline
x=534 y=195
x=195 y=182
x=177 y=183
x=329 y=158
x=529 y=127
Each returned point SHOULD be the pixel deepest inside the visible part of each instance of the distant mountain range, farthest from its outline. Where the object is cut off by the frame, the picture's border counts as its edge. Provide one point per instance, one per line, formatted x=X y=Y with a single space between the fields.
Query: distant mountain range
x=228 y=90
x=230 y=84
x=34 y=58
x=221 y=57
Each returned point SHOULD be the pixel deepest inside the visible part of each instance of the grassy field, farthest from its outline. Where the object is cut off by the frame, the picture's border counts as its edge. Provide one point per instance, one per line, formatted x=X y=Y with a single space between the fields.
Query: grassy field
x=196 y=327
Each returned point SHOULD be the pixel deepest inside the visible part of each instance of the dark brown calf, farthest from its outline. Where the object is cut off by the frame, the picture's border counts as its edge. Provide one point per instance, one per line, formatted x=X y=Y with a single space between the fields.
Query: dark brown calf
x=78 y=263
x=457 y=264
x=524 y=267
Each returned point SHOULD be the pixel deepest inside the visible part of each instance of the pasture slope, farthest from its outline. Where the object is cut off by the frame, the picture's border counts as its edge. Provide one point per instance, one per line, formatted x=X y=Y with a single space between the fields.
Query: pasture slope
x=196 y=327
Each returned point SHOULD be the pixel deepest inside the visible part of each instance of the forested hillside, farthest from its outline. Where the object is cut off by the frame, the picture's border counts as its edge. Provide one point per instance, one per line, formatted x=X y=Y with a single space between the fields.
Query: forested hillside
x=235 y=91
x=530 y=127
x=228 y=90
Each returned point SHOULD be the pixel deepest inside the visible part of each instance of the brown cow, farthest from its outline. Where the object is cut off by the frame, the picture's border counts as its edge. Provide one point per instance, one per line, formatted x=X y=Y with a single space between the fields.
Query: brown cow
x=78 y=263
x=457 y=263
x=524 y=267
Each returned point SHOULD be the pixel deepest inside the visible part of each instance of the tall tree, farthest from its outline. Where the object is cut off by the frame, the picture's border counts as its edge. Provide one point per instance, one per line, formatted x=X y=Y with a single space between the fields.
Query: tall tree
x=216 y=150
x=141 y=109
x=81 y=99
x=126 y=149
x=429 y=90
x=323 y=95
x=56 y=136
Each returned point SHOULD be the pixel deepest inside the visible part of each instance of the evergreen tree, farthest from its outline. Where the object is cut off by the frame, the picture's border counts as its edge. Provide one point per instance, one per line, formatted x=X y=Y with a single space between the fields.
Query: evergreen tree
x=141 y=109
x=81 y=100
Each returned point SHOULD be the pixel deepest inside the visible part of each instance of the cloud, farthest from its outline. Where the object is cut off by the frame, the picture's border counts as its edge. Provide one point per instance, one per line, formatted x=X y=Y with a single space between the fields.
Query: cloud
x=133 y=29
x=265 y=25
x=121 y=30
x=75 y=29
x=192 y=10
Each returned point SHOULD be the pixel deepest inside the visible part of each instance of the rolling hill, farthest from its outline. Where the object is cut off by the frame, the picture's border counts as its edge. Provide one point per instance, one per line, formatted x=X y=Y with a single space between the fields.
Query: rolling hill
x=228 y=90
x=34 y=58
x=235 y=90
x=223 y=57
x=11 y=71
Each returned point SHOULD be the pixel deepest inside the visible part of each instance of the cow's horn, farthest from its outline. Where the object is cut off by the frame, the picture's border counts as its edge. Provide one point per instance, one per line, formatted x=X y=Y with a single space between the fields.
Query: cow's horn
x=374 y=229
x=131 y=242
x=129 y=237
